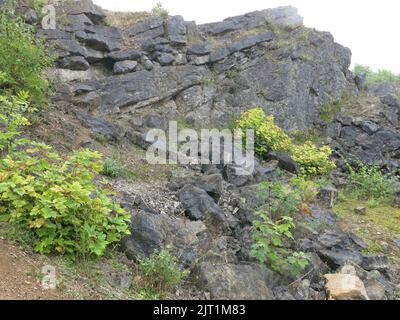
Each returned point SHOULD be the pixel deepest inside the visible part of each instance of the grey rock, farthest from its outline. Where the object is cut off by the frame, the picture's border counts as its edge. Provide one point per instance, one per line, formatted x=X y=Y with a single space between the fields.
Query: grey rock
x=285 y=161
x=149 y=121
x=74 y=63
x=336 y=248
x=360 y=210
x=86 y=7
x=122 y=67
x=102 y=43
x=237 y=175
x=54 y=34
x=152 y=232
x=166 y=59
x=150 y=45
x=76 y=22
x=244 y=43
x=200 y=48
x=94 y=56
x=150 y=34
x=88 y=100
x=390 y=100
x=379 y=262
x=142 y=88
x=147 y=64
x=81 y=88
x=108 y=130
x=71 y=46
x=106 y=32
x=238 y=282
x=328 y=196
x=360 y=81
x=31 y=16
x=397 y=243
x=199 y=60
x=375 y=289
x=149 y=24
x=282 y=16
x=175 y=28
x=125 y=55
x=201 y=206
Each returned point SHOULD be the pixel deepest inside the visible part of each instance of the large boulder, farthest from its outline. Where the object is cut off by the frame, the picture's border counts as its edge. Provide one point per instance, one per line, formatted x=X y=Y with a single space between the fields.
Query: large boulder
x=101 y=127
x=86 y=7
x=153 y=232
x=199 y=205
x=345 y=287
x=143 y=88
x=235 y=282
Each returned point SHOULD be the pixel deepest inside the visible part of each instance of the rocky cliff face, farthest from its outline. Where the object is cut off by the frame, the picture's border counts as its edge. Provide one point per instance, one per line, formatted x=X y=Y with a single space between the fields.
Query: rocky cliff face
x=118 y=82
x=200 y=74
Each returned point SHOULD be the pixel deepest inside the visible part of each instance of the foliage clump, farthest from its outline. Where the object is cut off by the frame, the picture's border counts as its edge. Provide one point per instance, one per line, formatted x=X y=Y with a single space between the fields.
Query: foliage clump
x=159 y=10
x=114 y=168
x=280 y=200
x=312 y=160
x=55 y=200
x=161 y=272
x=270 y=137
x=272 y=230
x=379 y=76
x=370 y=183
x=269 y=245
x=23 y=60
x=58 y=202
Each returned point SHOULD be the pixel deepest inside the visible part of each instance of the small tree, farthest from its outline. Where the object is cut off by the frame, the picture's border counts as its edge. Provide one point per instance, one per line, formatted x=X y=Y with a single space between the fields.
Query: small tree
x=159 y=10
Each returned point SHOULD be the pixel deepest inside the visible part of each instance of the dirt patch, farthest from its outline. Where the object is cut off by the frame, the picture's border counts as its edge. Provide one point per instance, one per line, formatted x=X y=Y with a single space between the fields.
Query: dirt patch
x=20 y=275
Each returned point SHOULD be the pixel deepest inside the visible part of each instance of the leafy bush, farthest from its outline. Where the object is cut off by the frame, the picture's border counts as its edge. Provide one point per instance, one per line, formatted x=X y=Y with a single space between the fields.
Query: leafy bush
x=23 y=60
x=308 y=189
x=161 y=270
x=37 y=5
x=369 y=183
x=376 y=77
x=268 y=136
x=268 y=247
x=58 y=201
x=313 y=161
x=114 y=168
x=279 y=199
x=159 y=10
x=12 y=110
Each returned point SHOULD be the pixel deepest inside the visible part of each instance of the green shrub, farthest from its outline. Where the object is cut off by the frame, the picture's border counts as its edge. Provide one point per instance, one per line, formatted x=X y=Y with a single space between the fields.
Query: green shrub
x=268 y=247
x=372 y=77
x=313 y=160
x=268 y=136
x=369 y=183
x=307 y=189
x=161 y=270
x=279 y=199
x=57 y=201
x=114 y=168
x=159 y=10
x=37 y=5
x=23 y=60
x=12 y=119
x=330 y=109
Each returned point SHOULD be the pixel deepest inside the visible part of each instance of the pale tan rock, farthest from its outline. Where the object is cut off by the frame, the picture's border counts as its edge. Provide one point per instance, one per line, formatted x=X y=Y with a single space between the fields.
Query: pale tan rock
x=345 y=287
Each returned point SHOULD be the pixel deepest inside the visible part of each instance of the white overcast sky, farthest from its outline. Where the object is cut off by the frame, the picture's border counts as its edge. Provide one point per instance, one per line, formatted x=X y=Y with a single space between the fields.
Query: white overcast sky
x=370 y=28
